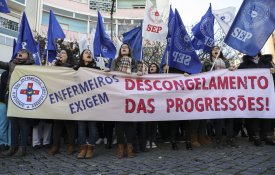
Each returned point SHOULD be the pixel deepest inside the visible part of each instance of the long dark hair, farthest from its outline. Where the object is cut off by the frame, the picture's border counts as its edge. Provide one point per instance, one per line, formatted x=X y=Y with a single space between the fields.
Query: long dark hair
x=130 y=51
x=220 y=55
x=69 y=62
x=81 y=61
x=156 y=66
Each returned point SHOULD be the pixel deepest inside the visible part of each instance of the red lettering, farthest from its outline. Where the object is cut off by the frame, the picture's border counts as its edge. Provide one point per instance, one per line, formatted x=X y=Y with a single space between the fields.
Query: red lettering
x=149 y=103
x=217 y=104
x=148 y=85
x=179 y=103
x=152 y=28
x=130 y=106
x=198 y=105
x=139 y=85
x=141 y=106
x=251 y=104
x=259 y=102
x=208 y=102
x=155 y=85
x=234 y=106
x=169 y=104
x=189 y=107
x=265 y=82
x=129 y=84
x=252 y=79
x=223 y=102
x=232 y=82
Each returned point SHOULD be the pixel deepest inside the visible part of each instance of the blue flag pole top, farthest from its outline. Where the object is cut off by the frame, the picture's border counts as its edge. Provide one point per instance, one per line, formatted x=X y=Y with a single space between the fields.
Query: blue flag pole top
x=134 y=39
x=54 y=32
x=25 y=38
x=182 y=55
x=103 y=45
x=204 y=32
x=4 y=7
x=252 y=26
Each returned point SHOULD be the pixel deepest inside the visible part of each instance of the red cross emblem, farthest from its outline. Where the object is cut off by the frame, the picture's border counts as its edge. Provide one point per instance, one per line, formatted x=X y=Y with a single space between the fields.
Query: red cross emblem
x=29 y=92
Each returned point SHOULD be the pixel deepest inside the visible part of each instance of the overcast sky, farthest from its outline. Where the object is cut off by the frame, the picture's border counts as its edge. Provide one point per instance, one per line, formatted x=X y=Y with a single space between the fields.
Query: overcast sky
x=191 y=11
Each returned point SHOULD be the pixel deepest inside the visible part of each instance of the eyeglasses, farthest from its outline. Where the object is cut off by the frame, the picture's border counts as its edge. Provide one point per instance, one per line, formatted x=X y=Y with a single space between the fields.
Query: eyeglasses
x=63 y=52
x=87 y=52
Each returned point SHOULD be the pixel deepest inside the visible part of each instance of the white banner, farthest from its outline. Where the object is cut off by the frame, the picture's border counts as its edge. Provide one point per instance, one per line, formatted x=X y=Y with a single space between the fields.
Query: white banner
x=153 y=27
x=87 y=94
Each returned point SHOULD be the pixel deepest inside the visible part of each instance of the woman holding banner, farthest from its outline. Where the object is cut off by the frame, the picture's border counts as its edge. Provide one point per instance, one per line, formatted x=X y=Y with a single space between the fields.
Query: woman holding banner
x=87 y=143
x=126 y=64
x=20 y=127
x=259 y=129
x=65 y=60
x=217 y=61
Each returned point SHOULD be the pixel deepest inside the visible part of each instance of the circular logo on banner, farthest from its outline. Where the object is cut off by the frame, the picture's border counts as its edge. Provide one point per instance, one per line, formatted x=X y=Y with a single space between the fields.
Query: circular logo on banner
x=255 y=14
x=205 y=27
x=29 y=92
x=154 y=15
x=182 y=40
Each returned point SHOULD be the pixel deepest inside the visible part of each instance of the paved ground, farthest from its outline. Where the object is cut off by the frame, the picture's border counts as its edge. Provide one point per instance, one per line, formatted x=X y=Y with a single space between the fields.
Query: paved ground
x=246 y=160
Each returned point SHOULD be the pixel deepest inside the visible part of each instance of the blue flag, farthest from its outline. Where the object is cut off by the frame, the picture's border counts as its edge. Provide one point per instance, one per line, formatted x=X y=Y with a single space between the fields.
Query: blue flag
x=182 y=55
x=252 y=26
x=25 y=39
x=204 y=32
x=103 y=46
x=169 y=34
x=4 y=7
x=134 y=39
x=54 y=32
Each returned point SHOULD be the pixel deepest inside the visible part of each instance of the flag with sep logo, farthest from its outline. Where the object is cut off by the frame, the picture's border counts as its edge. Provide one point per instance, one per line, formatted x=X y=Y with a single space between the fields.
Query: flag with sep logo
x=182 y=55
x=204 y=32
x=103 y=45
x=25 y=38
x=252 y=26
x=153 y=27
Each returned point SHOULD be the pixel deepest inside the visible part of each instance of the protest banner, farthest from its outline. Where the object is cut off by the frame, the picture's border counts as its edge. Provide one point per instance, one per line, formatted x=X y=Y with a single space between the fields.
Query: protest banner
x=87 y=94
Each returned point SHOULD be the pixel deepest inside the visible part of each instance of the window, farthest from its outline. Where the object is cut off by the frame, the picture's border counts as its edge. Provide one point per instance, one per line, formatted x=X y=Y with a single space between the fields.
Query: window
x=102 y=5
x=8 y=24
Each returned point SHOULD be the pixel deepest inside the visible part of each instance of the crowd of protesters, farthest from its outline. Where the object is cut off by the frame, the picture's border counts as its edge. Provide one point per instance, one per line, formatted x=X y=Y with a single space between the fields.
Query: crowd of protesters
x=130 y=137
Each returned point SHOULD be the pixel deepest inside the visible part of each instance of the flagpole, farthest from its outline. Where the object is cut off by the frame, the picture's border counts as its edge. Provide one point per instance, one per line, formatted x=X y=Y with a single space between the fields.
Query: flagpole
x=47 y=58
x=167 y=55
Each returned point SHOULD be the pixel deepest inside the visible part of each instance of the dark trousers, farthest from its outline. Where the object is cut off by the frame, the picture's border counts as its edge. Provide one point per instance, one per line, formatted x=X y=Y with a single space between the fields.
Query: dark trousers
x=58 y=126
x=20 y=129
x=260 y=127
x=219 y=124
x=105 y=129
x=83 y=126
x=125 y=128
x=198 y=127
x=174 y=128
x=140 y=140
x=151 y=131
